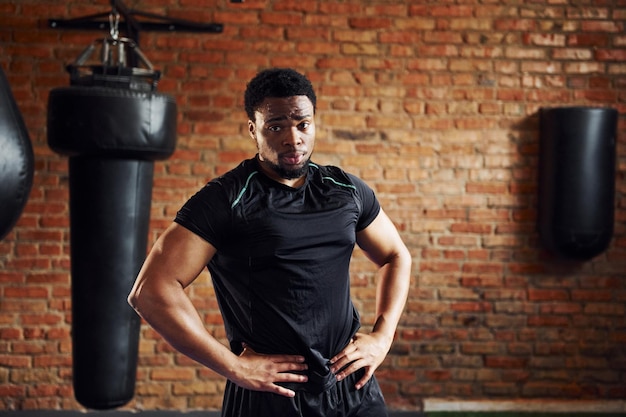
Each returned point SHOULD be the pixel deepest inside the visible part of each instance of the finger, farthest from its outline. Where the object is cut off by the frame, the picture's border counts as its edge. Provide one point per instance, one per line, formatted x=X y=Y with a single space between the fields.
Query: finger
x=288 y=359
x=338 y=356
x=290 y=368
x=275 y=358
x=361 y=382
x=345 y=360
x=349 y=355
x=348 y=350
x=352 y=368
x=339 y=365
x=288 y=377
x=277 y=389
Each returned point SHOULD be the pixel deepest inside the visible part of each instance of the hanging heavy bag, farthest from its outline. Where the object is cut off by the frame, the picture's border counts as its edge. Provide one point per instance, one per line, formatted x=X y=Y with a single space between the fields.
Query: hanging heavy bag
x=113 y=126
x=577 y=180
x=16 y=160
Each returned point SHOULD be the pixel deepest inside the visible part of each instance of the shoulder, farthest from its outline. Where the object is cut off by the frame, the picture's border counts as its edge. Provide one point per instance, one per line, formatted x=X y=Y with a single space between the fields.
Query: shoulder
x=363 y=195
x=340 y=177
x=230 y=184
x=208 y=212
x=240 y=174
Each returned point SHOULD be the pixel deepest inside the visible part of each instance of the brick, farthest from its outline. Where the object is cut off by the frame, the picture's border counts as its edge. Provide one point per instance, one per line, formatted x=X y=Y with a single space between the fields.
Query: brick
x=297 y=5
x=12 y=391
x=370 y=22
x=604 y=309
x=547 y=295
x=480 y=348
x=572 y=54
x=549 y=321
x=340 y=8
x=41 y=319
x=560 y=308
x=31 y=292
x=283 y=19
x=588 y=39
x=542 y=39
x=437 y=375
x=505 y=362
x=600 y=26
x=505 y=321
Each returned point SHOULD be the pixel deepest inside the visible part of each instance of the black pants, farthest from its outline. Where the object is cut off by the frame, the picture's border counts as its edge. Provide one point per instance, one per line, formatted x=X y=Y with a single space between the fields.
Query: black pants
x=340 y=400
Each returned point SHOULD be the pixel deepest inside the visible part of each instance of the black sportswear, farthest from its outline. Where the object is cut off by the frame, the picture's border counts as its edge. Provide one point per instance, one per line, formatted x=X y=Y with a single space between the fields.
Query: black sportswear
x=281 y=271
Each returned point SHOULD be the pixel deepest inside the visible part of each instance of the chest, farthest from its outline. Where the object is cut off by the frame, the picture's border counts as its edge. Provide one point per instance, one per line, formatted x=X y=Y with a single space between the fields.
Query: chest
x=275 y=221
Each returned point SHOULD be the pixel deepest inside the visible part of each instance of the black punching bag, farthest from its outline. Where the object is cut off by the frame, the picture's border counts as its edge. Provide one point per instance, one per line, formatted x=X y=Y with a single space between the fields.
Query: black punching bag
x=577 y=180
x=113 y=127
x=16 y=160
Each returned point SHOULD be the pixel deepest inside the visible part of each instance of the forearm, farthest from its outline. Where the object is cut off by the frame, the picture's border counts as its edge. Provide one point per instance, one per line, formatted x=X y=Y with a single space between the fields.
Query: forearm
x=176 y=260
x=158 y=295
x=391 y=295
x=172 y=314
x=369 y=350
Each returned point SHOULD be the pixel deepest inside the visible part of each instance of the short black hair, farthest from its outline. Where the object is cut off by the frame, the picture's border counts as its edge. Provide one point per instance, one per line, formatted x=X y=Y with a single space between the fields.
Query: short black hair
x=276 y=82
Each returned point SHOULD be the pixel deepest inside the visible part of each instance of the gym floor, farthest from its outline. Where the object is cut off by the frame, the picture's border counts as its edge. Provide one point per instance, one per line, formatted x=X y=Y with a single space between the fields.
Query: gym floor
x=40 y=413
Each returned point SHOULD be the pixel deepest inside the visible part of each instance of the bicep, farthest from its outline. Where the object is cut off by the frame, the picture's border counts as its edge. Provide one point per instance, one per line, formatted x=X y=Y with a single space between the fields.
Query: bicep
x=177 y=258
x=381 y=240
x=159 y=296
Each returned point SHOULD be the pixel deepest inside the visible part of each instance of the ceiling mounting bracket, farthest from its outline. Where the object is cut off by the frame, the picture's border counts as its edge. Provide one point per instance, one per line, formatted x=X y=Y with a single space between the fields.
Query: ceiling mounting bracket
x=150 y=22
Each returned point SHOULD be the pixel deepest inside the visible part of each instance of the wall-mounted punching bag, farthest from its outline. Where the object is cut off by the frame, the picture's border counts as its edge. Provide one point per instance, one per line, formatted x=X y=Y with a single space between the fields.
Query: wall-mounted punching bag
x=112 y=132
x=16 y=160
x=577 y=180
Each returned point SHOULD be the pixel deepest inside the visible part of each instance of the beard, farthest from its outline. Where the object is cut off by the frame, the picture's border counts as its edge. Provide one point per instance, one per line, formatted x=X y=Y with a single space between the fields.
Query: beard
x=290 y=173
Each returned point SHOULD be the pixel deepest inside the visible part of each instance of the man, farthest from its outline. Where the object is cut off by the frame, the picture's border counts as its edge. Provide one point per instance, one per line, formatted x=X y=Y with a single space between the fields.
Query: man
x=277 y=234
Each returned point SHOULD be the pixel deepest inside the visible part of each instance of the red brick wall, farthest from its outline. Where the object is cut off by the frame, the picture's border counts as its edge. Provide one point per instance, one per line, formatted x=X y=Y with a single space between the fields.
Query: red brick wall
x=435 y=105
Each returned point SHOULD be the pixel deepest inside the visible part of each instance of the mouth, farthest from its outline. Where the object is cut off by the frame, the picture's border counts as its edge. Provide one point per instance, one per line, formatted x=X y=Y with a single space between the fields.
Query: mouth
x=292 y=158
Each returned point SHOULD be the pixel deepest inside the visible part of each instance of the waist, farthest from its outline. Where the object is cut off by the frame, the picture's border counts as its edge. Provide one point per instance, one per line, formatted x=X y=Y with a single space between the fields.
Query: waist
x=316 y=383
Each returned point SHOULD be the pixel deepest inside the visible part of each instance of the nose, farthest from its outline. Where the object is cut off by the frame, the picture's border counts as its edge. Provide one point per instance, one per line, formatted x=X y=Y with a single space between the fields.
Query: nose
x=292 y=137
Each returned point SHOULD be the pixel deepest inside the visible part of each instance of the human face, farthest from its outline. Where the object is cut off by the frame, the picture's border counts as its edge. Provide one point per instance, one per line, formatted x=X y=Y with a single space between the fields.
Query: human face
x=284 y=133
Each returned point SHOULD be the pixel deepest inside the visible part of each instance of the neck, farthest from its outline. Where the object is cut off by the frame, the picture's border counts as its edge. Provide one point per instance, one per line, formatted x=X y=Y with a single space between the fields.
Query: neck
x=269 y=171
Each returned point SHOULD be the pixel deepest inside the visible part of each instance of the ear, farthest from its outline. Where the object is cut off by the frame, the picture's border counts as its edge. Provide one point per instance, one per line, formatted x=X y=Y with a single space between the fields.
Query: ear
x=252 y=129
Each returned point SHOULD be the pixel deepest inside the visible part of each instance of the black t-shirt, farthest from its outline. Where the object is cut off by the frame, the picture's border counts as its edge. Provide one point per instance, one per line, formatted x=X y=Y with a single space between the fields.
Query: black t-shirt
x=281 y=271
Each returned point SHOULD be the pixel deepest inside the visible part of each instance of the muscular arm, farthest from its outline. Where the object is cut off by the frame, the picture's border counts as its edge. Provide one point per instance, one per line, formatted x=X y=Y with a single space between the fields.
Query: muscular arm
x=175 y=261
x=383 y=245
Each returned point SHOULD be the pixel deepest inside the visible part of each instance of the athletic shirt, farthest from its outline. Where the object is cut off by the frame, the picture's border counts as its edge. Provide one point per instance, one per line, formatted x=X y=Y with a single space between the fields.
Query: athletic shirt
x=281 y=270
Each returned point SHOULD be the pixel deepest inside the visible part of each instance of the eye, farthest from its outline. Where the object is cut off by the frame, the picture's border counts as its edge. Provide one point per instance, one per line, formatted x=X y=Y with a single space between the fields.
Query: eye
x=274 y=128
x=304 y=125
